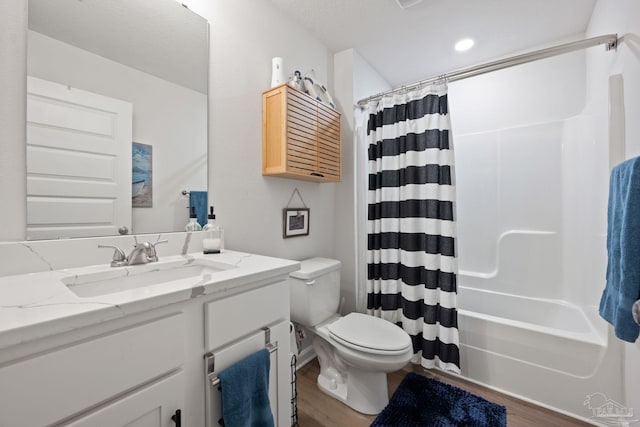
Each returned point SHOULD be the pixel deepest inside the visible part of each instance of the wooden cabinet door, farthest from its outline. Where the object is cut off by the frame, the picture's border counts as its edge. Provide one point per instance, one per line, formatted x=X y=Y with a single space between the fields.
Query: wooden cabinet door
x=302 y=134
x=300 y=137
x=152 y=406
x=328 y=143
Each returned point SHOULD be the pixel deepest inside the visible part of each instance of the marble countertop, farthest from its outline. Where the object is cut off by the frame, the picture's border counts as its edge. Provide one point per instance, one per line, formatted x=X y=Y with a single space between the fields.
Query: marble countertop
x=37 y=305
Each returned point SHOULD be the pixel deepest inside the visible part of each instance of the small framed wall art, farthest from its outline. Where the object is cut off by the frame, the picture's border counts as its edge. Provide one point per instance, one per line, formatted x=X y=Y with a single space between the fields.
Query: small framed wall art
x=142 y=175
x=295 y=222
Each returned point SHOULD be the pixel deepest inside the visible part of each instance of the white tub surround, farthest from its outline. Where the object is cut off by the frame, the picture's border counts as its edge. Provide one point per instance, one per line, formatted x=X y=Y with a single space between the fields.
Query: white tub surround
x=526 y=346
x=530 y=179
x=97 y=345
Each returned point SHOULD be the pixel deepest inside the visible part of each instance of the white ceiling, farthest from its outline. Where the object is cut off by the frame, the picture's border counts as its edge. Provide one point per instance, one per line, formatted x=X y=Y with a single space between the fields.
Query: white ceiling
x=416 y=43
x=161 y=38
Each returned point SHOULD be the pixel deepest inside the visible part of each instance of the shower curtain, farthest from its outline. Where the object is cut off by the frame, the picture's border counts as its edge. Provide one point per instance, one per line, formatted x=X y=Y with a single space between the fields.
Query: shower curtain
x=411 y=262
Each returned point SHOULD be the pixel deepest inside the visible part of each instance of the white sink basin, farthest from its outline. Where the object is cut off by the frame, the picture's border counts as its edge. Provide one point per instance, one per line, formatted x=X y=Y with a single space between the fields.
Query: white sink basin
x=118 y=279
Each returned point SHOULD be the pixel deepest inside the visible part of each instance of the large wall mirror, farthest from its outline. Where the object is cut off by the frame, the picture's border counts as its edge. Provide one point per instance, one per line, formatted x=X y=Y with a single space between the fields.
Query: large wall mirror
x=116 y=116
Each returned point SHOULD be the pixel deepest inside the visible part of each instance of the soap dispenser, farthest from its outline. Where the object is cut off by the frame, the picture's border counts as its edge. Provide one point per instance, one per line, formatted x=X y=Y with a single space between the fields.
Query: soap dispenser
x=212 y=242
x=211 y=220
x=193 y=225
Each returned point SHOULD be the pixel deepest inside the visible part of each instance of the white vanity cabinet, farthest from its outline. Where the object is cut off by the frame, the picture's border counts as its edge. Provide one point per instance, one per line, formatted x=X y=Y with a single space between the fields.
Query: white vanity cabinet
x=137 y=370
x=237 y=327
x=58 y=384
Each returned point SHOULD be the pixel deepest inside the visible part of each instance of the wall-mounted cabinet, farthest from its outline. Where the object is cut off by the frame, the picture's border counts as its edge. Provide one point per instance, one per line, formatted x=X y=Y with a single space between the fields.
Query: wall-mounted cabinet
x=300 y=136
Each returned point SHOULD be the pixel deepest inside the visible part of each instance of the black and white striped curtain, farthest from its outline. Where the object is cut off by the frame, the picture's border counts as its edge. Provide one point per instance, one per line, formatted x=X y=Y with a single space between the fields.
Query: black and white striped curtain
x=411 y=277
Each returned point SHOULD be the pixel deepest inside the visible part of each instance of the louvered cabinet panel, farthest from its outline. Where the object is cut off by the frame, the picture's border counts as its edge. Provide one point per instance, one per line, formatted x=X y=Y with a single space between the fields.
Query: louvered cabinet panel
x=300 y=137
x=329 y=146
x=300 y=101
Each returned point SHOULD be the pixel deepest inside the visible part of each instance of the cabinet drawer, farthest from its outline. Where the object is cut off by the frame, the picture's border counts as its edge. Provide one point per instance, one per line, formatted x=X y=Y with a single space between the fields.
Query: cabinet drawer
x=55 y=385
x=250 y=311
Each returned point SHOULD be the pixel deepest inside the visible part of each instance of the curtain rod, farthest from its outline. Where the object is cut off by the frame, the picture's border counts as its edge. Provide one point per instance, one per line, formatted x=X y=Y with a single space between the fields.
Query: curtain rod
x=610 y=40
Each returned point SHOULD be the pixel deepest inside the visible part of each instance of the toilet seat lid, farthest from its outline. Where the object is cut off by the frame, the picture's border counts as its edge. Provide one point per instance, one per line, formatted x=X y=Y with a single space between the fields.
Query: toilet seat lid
x=368 y=333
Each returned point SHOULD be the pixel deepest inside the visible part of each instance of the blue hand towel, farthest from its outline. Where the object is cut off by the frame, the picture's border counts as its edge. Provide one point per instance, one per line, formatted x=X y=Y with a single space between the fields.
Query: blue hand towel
x=245 y=392
x=623 y=248
x=198 y=199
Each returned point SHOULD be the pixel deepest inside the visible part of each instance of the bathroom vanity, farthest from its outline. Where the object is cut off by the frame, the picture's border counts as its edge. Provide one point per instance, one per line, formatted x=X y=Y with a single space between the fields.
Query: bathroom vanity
x=95 y=345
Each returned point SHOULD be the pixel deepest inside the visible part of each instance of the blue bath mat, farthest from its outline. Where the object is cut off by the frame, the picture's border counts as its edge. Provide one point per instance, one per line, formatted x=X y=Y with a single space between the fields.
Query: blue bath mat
x=421 y=401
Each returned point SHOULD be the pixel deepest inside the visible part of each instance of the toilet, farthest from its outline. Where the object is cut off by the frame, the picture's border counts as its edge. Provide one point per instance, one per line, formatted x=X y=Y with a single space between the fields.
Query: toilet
x=355 y=351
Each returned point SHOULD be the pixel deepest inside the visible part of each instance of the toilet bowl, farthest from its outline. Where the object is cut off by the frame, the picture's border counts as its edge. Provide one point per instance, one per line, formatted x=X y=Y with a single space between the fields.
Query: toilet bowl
x=355 y=351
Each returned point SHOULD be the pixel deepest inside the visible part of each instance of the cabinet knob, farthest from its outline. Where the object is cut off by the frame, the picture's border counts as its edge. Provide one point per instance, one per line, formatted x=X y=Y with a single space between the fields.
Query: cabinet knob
x=177 y=417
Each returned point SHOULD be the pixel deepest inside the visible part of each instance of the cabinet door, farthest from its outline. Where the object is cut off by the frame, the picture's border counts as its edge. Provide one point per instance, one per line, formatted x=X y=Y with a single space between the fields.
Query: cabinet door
x=152 y=406
x=300 y=137
x=279 y=373
x=302 y=134
x=329 y=143
x=69 y=380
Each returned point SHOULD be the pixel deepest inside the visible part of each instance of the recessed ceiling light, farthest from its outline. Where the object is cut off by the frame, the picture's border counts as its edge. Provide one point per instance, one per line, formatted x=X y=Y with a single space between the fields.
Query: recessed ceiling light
x=464 y=44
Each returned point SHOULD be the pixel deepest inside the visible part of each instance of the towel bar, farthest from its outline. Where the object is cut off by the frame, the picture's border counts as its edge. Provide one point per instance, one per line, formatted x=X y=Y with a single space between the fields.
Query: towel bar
x=213 y=413
x=636 y=311
x=210 y=358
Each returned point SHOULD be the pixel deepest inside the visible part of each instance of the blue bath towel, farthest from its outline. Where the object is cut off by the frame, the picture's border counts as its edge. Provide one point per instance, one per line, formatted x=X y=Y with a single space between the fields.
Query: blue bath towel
x=198 y=199
x=245 y=392
x=623 y=248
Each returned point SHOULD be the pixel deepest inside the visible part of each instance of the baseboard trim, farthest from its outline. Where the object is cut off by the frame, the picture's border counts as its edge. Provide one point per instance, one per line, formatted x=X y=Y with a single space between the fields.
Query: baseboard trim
x=305 y=356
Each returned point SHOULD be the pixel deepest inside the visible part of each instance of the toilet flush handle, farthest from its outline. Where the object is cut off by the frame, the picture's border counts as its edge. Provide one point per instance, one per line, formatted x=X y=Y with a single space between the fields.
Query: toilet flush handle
x=310 y=282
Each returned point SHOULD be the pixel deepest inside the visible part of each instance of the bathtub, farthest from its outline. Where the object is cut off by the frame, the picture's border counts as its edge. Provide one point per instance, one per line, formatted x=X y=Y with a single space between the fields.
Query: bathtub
x=542 y=350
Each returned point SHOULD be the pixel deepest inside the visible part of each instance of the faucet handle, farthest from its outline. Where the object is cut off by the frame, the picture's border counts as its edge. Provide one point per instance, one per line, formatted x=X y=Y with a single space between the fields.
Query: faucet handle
x=119 y=257
x=152 y=250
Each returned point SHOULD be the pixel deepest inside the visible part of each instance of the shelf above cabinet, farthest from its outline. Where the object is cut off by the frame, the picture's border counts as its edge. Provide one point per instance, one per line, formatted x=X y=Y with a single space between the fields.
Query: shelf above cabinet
x=300 y=137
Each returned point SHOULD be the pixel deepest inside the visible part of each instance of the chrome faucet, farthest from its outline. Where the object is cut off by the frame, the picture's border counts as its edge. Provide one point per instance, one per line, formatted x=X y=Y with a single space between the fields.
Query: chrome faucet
x=142 y=253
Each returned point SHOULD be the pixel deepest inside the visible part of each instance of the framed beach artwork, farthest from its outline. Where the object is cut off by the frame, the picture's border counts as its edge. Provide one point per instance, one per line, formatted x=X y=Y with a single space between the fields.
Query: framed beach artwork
x=142 y=175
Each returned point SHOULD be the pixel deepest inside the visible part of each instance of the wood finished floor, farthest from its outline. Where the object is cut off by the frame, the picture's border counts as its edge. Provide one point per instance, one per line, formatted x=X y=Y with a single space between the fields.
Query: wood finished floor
x=318 y=409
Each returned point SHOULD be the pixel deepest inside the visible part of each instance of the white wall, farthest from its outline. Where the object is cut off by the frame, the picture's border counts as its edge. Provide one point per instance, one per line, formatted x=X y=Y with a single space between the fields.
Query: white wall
x=355 y=79
x=367 y=82
x=245 y=35
x=13 y=86
x=622 y=17
x=344 y=245
x=171 y=118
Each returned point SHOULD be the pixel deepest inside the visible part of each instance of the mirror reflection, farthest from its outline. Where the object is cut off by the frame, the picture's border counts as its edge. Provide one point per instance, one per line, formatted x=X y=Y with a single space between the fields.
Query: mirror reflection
x=116 y=116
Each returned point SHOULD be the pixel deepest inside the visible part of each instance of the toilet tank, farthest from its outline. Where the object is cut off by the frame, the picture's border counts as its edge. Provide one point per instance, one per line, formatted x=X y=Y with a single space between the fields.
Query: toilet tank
x=314 y=291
